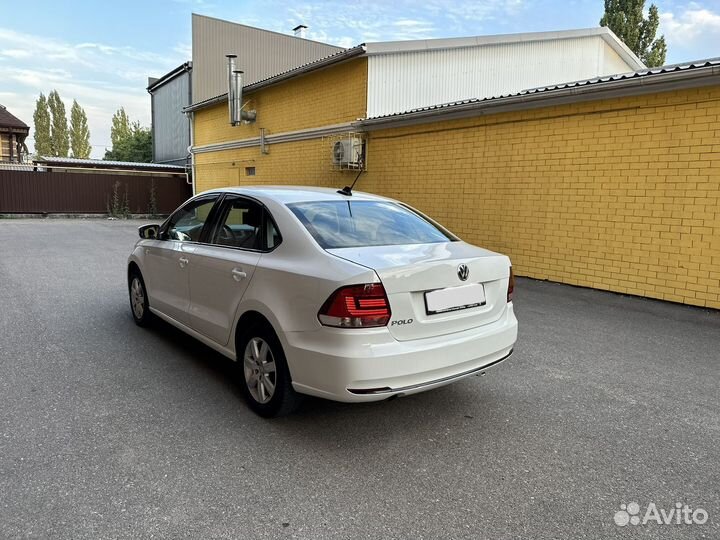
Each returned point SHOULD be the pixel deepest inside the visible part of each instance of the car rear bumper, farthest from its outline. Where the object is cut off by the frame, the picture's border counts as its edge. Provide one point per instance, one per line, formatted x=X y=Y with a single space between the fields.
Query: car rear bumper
x=370 y=365
x=421 y=387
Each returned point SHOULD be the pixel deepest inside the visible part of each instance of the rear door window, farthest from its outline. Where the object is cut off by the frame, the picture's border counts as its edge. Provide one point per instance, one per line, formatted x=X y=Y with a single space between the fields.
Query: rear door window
x=341 y=224
x=245 y=224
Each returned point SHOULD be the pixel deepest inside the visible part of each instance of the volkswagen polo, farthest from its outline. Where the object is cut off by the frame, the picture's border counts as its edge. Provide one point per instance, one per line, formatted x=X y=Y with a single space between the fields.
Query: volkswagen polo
x=343 y=295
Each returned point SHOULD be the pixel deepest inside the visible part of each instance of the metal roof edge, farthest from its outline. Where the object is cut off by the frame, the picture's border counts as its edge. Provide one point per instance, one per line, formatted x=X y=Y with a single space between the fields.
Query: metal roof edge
x=315 y=65
x=619 y=46
x=591 y=90
x=50 y=161
x=170 y=75
x=389 y=47
x=265 y=30
x=209 y=102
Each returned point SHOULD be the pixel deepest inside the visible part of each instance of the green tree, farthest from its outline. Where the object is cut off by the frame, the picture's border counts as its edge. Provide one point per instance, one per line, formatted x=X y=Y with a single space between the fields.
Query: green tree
x=41 y=119
x=79 y=132
x=59 y=139
x=626 y=19
x=135 y=147
x=121 y=127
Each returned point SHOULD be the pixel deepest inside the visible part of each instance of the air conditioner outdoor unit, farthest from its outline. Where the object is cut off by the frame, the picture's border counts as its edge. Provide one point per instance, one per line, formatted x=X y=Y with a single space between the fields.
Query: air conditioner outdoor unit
x=348 y=153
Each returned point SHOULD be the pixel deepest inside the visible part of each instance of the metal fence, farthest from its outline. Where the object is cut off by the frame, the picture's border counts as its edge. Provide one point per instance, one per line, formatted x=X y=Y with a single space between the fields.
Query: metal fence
x=31 y=192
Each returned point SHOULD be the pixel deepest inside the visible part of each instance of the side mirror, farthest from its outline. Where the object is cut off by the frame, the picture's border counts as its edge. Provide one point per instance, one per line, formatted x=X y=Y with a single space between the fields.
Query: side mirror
x=149 y=232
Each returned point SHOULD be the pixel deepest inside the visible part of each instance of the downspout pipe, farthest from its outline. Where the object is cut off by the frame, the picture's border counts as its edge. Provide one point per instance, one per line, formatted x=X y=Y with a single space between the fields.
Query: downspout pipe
x=192 y=152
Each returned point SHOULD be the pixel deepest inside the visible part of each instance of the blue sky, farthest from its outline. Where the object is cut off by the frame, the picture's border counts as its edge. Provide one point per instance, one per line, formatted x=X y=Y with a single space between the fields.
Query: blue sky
x=101 y=53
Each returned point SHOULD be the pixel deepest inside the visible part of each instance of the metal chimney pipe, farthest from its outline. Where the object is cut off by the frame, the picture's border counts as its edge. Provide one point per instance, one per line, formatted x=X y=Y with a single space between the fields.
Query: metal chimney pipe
x=231 y=87
x=299 y=31
x=237 y=97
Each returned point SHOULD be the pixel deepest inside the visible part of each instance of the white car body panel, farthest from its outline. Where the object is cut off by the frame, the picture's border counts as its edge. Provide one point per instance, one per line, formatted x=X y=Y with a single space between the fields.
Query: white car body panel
x=170 y=290
x=218 y=278
x=333 y=361
x=407 y=272
x=287 y=286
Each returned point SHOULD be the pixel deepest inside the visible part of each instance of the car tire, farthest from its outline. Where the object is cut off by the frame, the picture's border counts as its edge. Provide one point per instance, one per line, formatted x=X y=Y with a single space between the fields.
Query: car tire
x=139 y=306
x=263 y=373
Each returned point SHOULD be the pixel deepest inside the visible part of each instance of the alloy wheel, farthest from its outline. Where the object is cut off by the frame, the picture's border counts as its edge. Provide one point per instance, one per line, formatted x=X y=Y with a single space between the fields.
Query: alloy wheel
x=260 y=370
x=137 y=298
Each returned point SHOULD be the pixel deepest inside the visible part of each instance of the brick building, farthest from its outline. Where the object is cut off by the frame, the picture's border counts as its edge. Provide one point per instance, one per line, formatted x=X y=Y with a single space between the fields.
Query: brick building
x=610 y=182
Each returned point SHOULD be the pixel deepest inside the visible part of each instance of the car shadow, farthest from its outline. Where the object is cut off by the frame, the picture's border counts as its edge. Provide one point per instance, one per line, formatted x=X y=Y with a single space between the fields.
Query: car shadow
x=459 y=406
x=212 y=363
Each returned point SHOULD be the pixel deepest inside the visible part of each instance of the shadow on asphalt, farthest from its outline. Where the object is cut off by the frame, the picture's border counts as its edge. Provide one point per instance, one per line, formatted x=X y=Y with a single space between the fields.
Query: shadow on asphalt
x=319 y=420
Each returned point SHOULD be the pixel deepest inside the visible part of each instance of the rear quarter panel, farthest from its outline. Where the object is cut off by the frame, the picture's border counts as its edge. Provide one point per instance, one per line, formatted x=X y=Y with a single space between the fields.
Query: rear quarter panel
x=292 y=282
x=294 y=288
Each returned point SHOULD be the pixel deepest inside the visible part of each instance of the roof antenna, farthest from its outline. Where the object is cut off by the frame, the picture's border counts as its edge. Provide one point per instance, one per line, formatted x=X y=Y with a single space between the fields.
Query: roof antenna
x=347 y=190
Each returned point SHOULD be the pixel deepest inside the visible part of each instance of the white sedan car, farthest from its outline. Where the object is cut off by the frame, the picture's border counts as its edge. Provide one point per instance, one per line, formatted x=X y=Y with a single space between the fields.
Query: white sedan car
x=312 y=291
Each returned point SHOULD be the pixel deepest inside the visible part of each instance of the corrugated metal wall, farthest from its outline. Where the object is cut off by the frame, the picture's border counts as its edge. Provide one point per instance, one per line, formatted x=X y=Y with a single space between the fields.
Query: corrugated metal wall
x=613 y=63
x=171 y=128
x=403 y=81
x=261 y=54
x=87 y=192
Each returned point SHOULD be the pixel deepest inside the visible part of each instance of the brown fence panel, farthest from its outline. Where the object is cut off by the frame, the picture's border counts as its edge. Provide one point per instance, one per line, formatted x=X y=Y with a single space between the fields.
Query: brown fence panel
x=87 y=193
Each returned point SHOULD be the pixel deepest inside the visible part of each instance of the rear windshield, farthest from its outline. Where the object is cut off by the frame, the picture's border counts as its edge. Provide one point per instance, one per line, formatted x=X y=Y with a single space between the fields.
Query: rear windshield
x=342 y=224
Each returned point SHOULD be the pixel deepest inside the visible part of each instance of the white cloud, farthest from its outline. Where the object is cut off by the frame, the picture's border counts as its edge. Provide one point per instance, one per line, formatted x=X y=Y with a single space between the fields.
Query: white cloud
x=15 y=53
x=184 y=50
x=98 y=100
x=692 y=33
x=690 y=24
x=465 y=15
x=389 y=21
x=101 y=77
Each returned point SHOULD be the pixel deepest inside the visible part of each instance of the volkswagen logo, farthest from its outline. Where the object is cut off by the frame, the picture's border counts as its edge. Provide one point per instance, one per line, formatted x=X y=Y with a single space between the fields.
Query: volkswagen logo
x=463 y=272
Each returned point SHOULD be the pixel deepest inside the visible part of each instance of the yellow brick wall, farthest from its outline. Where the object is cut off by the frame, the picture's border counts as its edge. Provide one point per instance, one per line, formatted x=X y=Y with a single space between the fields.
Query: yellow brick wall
x=621 y=195
x=325 y=97
x=299 y=163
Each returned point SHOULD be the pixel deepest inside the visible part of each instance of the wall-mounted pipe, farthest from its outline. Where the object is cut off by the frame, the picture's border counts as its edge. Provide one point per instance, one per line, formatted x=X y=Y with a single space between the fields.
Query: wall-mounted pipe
x=231 y=88
x=263 y=146
x=191 y=150
x=237 y=97
x=234 y=95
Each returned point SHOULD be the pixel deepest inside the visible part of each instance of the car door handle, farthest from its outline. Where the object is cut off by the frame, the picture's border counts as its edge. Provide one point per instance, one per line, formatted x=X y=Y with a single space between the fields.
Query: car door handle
x=183 y=261
x=238 y=274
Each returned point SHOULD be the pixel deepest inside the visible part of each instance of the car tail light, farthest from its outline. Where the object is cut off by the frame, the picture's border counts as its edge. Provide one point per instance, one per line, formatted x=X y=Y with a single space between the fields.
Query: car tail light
x=356 y=306
x=511 y=285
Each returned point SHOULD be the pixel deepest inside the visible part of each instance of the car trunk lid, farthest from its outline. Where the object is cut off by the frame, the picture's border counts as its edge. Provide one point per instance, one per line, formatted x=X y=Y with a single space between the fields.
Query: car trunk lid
x=424 y=285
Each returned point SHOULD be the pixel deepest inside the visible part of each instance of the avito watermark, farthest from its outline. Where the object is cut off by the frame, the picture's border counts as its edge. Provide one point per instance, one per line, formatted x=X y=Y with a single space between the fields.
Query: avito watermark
x=680 y=514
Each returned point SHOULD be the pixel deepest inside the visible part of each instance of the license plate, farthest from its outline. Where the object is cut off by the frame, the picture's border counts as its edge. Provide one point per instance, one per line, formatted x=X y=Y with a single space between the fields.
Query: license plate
x=454 y=298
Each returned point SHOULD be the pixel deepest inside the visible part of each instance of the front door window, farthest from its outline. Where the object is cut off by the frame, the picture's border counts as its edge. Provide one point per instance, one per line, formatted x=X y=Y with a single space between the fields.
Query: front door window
x=187 y=224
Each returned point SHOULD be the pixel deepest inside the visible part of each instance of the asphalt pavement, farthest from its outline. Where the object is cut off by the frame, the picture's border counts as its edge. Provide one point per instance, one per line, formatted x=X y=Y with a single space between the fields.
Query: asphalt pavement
x=108 y=430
